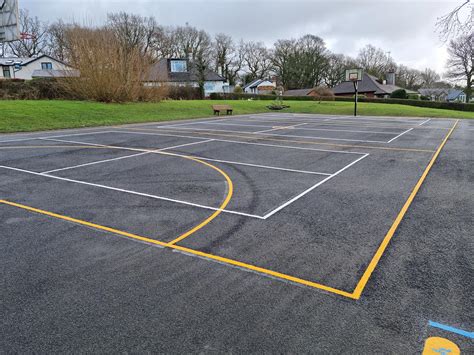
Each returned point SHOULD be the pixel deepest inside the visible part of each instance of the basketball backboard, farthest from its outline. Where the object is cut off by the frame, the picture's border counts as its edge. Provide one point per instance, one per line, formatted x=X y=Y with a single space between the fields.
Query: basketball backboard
x=354 y=74
x=9 y=21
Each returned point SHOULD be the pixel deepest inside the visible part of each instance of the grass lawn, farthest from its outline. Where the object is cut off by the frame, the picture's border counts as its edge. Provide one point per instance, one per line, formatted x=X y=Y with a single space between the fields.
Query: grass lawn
x=26 y=116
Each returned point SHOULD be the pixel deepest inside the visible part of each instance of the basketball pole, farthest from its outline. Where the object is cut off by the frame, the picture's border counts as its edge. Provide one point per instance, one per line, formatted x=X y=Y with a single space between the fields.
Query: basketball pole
x=356 y=87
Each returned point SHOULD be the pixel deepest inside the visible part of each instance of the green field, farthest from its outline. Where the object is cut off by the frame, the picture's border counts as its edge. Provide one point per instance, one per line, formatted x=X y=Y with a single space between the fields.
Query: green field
x=26 y=116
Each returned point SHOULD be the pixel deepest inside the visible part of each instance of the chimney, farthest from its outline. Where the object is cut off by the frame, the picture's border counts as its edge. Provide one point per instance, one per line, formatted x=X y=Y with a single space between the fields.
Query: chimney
x=390 y=78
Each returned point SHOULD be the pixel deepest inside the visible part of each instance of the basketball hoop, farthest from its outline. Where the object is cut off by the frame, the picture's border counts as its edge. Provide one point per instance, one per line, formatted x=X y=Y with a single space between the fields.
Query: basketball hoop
x=354 y=76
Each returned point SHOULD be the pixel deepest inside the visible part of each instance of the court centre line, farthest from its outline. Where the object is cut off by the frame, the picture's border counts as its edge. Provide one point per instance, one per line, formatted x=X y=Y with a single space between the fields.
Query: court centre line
x=343 y=124
x=177 y=154
x=261 y=166
x=271 y=213
x=276 y=128
x=149 y=132
x=401 y=134
x=388 y=237
x=187 y=251
x=125 y=157
x=132 y=192
x=263 y=138
x=279 y=135
x=290 y=126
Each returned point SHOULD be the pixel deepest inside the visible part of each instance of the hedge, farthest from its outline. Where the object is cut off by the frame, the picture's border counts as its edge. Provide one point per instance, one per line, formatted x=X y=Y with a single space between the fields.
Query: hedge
x=36 y=89
x=458 y=106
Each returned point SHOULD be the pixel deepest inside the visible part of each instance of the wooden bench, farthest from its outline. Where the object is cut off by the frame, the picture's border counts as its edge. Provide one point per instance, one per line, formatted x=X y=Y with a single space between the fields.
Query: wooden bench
x=218 y=108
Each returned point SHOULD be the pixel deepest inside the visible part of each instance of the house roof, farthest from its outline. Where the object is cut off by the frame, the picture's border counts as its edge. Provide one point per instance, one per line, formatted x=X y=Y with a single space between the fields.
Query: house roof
x=257 y=83
x=253 y=84
x=51 y=73
x=453 y=94
x=298 y=92
x=368 y=84
x=24 y=60
x=160 y=71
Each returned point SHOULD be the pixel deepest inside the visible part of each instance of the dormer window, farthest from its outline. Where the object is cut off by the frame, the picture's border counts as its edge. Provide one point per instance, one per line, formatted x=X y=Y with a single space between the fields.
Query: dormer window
x=47 y=66
x=179 y=66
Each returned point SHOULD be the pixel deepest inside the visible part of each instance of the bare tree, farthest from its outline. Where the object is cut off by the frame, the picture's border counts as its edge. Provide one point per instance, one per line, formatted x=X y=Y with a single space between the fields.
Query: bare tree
x=461 y=62
x=164 y=44
x=301 y=63
x=337 y=64
x=408 y=78
x=34 y=39
x=458 y=21
x=375 y=61
x=133 y=31
x=228 y=57
x=257 y=60
x=58 y=44
x=429 y=78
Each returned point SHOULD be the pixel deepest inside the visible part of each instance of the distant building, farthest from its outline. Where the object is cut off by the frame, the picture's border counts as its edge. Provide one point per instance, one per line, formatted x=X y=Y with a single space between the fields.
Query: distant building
x=370 y=86
x=260 y=87
x=301 y=92
x=455 y=95
x=181 y=72
x=43 y=66
x=443 y=94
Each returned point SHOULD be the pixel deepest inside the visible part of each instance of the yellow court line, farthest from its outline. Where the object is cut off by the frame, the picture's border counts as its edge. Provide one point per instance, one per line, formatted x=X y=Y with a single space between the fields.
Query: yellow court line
x=356 y=294
x=230 y=191
x=230 y=186
x=380 y=251
x=186 y=250
x=84 y=223
x=254 y=137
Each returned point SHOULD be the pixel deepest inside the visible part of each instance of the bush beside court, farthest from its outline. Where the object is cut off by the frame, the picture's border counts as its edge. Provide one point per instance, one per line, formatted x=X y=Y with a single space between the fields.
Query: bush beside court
x=37 y=115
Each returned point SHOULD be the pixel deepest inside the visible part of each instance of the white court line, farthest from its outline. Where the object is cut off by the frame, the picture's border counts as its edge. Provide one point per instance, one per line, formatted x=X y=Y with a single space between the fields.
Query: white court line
x=268 y=215
x=422 y=123
x=281 y=127
x=262 y=166
x=191 y=156
x=57 y=136
x=132 y=192
x=290 y=126
x=365 y=118
x=338 y=123
x=401 y=134
x=281 y=135
x=125 y=157
x=253 y=143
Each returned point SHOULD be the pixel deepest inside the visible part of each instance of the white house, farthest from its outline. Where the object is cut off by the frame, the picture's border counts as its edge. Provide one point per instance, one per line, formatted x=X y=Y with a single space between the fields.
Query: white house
x=43 y=66
x=181 y=72
x=260 y=86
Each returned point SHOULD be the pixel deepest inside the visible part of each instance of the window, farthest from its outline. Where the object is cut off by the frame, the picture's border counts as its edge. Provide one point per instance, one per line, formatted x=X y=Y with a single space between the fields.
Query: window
x=179 y=66
x=6 y=72
x=47 y=65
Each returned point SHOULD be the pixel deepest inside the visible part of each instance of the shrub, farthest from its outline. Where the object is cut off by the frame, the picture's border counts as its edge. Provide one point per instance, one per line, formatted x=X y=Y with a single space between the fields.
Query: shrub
x=321 y=91
x=399 y=94
x=413 y=96
x=109 y=70
x=184 y=93
x=238 y=89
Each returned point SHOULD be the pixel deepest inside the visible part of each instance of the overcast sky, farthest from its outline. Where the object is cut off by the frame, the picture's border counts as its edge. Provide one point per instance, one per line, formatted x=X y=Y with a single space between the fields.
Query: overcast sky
x=405 y=28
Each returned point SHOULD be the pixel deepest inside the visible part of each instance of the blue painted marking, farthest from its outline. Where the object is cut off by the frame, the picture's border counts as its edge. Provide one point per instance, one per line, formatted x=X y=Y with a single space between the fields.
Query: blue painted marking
x=451 y=329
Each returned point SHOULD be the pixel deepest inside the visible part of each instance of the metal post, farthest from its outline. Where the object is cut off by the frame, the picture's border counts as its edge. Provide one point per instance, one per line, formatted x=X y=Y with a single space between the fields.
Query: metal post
x=356 y=87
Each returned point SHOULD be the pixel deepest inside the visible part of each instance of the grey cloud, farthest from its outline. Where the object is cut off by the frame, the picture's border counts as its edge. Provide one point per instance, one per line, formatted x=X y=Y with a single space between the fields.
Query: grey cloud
x=405 y=28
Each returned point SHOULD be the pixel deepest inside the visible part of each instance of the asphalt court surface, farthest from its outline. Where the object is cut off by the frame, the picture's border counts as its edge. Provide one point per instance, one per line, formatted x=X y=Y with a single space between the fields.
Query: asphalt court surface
x=307 y=200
